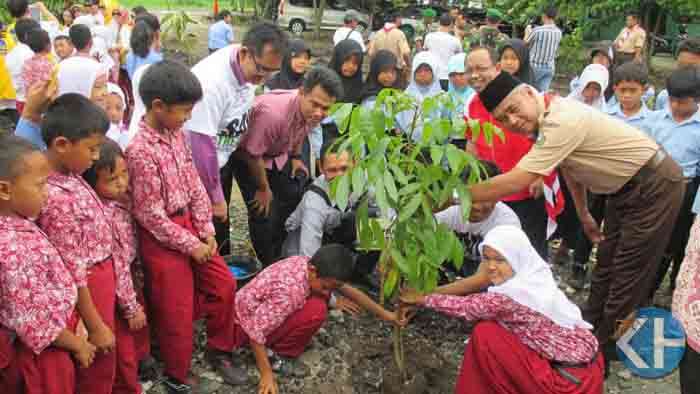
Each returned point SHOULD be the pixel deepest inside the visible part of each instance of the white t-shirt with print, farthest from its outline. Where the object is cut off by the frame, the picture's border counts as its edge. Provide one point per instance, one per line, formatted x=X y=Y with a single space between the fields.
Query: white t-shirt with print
x=223 y=111
x=443 y=46
x=501 y=215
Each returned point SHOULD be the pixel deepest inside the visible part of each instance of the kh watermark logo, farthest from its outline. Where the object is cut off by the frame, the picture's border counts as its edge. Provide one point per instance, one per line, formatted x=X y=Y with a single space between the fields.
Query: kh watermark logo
x=654 y=345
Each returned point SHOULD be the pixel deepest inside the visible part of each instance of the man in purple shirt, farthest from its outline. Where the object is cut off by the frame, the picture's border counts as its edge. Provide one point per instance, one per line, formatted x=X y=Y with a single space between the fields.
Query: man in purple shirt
x=228 y=78
x=269 y=155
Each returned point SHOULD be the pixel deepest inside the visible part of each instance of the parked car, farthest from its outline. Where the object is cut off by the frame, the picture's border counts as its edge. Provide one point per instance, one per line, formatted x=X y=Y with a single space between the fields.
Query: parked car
x=298 y=15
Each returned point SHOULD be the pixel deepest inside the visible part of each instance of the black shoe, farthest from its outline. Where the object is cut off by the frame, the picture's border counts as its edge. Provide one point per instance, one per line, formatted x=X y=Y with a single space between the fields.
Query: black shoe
x=288 y=366
x=223 y=364
x=175 y=386
x=148 y=369
x=578 y=277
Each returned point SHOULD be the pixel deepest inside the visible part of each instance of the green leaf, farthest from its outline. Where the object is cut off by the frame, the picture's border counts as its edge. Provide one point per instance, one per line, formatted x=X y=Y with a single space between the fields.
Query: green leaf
x=488 y=133
x=342 y=192
x=475 y=128
x=341 y=113
x=409 y=209
x=358 y=181
x=380 y=195
x=399 y=174
x=410 y=189
x=392 y=279
x=465 y=201
x=363 y=228
x=457 y=254
x=436 y=153
x=456 y=159
x=497 y=130
x=391 y=186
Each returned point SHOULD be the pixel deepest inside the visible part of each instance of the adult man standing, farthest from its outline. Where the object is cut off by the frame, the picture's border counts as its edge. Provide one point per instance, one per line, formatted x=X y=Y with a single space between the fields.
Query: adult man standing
x=392 y=39
x=544 y=45
x=630 y=42
x=221 y=32
x=528 y=203
x=349 y=31
x=489 y=35
x=269 y=156
x=595 y=152
x=443 y=45
x=228 y=78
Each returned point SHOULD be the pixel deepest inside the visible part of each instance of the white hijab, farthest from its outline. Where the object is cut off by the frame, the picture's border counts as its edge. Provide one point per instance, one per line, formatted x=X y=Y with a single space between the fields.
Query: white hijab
x=422 y=92
x=532 y=283
x=78 y=74
x=593 y=73
x=139 y=108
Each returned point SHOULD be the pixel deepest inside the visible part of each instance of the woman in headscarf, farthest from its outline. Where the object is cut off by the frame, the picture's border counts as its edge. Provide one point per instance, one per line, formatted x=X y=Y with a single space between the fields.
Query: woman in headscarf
x=530 y=338
x=514 y=57
x=592 y=84
x=424 y=84
x=383 y=73
x=294 y=65
x=347 y=62
x=602 y=55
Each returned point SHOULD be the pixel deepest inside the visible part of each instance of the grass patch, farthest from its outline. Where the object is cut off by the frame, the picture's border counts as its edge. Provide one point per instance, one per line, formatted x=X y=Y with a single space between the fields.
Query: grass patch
x=232 y=5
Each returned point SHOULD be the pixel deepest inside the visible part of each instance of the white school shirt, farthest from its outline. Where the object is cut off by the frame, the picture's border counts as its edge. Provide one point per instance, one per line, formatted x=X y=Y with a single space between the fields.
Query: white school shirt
x=442 y=45
x=224 y=109
x=15 y=61
x=501 y=215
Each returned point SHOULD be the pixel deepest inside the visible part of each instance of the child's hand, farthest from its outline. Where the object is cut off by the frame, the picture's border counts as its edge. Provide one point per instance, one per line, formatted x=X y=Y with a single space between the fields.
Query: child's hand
x=411 y=297
x=346 y=305
x=202 y=254
x=213 y=247
x=103 y=338
x=267 y=384
x=85 y=353
x=137 y=322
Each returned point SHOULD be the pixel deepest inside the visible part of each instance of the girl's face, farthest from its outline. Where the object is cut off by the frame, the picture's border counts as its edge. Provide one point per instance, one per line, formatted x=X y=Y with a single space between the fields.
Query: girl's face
x=459 y=80
x=591 y=93
x=115 y=108
x=350 y=66
x=67 y=18
x=113 y=185
x=387 y=78
x=498 y=268
x=424 y=75
x=300 y=63
x=510 y=62
x=99 y=92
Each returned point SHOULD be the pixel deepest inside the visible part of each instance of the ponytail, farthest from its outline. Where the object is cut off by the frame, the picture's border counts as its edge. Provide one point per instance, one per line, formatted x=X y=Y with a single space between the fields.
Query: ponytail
x=141 y=39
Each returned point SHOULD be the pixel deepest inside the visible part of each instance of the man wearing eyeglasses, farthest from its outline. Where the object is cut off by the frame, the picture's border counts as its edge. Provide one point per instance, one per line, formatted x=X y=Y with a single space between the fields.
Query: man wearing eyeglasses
x=229 y=77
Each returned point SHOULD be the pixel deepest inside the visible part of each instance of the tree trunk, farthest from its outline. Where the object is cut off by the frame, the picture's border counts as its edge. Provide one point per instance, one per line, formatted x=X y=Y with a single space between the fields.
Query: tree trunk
x=319 y=6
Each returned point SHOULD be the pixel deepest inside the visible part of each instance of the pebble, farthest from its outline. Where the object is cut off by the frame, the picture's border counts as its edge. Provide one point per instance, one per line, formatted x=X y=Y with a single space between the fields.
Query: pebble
x=625 y=374
x=207 y=386
x=212 y=376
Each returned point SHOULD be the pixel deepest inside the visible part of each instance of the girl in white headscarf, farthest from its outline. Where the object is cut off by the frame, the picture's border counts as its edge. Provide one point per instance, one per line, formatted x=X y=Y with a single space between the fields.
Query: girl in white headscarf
x=592 y=84
x=115 y=107
x=531 y=338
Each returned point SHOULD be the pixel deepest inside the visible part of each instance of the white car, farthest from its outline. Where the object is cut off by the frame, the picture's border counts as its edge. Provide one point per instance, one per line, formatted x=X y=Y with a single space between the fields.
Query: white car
x=298 y=15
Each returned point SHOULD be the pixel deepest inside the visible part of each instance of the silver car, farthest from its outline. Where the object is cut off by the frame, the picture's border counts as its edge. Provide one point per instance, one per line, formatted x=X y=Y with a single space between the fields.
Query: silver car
x=298 y=15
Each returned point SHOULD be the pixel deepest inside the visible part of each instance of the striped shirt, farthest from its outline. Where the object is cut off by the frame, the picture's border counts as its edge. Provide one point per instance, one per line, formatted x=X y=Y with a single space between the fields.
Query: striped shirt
x=544 y=44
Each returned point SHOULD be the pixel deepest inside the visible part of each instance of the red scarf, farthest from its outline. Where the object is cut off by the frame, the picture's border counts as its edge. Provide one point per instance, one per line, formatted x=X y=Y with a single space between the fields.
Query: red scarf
x=553 y=195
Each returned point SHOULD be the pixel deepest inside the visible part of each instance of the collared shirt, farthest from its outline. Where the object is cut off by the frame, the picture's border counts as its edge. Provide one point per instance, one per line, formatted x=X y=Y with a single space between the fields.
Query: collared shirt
x=661 y=100
x=550 y=340
x=125 y=255
x=276 y=127
x=636 y=120
x=37 y=292
x=393 y=40
x=31 y=132
x=76 y=224
x=680 y=140
x=220 y=35
x=134 y=61
x=630 y=40
x=275 y=294
x=501 y=215
x=544 y=44
x=597 y=150
x=164 y=181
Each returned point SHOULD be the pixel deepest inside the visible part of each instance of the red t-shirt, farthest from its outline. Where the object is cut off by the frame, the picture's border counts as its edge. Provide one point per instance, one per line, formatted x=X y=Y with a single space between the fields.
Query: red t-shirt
x=506 y=154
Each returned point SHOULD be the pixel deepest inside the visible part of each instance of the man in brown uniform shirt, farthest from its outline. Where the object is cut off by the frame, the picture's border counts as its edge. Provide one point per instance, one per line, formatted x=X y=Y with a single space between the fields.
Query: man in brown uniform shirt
x=595 y=152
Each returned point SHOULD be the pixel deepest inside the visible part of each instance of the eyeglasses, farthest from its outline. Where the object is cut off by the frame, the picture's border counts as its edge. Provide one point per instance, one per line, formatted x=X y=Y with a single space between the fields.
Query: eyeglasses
x=260 y=69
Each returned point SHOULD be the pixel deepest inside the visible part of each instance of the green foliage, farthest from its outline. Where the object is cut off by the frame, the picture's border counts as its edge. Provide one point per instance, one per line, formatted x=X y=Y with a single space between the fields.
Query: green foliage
x=175 y=28
x=409 y=181
x=572 y=57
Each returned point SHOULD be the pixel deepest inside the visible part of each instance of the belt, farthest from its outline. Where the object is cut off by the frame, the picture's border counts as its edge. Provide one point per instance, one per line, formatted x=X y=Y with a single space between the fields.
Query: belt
x=652 y=164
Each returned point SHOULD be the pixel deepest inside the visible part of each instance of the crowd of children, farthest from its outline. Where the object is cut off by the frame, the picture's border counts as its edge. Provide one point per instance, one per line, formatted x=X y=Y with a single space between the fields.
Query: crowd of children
x=116 y=186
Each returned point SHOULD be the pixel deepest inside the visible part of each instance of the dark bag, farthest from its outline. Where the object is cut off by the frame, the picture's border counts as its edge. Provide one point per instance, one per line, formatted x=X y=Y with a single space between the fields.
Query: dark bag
x=346 y=233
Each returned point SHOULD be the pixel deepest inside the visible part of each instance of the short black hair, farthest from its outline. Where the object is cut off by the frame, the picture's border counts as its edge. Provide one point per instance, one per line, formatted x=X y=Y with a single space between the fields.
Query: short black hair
x=551 y=11
x=141 y=39
x=691 y=45
x=80 y=36
x=631 y=72
x=74 y=117
x=333 y=261
x=446 y=19
x=23 y=27
x=329 y=147
x=139 y=10
x=488 y=170
x=62 y=37
x=109 y=152
x=17 y=8
x=223 y=14
x=264 y=33
x=38 y=40
x=684 y=82
x=13 y=150
x=150 y=19
x=326 y=78
x=171 y=82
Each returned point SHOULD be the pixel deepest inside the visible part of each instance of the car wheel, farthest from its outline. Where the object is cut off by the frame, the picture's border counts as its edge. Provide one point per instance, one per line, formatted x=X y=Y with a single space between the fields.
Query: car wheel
x=297 y=26
x=361 y=28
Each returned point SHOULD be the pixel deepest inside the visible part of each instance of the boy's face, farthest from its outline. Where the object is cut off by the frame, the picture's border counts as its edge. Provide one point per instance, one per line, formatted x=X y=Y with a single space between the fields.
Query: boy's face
x=26 y=193
x=322 y=286
x=113 y=185
x=78 y=156
x=115 y=108
x=629 y=94
x=682 y=108
x=335 y=165
x=63 y=48
x=314 y=105
x=591 y=93
x=481 y=211
x=172 y=117
x=424 y=75
x=686 y=59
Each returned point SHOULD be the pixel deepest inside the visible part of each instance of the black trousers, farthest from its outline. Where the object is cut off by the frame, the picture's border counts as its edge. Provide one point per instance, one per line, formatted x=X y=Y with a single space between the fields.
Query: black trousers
x=689 y=368
x=533 y=218
x=568 y=223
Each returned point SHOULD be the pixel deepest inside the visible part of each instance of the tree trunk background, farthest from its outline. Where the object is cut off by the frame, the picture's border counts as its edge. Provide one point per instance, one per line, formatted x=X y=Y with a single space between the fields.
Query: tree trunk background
x=319 y=6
